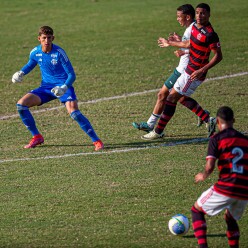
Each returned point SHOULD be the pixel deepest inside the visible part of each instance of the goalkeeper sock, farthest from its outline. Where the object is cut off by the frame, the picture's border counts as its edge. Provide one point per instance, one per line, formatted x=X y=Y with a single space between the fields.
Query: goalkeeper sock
x=27 y=119
x=84 y=123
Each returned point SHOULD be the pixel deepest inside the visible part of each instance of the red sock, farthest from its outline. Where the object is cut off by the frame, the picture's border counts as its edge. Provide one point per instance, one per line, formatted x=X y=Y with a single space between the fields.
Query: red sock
x=199 y=227
x=232 y=232
x=194 y=106
x=168 y=112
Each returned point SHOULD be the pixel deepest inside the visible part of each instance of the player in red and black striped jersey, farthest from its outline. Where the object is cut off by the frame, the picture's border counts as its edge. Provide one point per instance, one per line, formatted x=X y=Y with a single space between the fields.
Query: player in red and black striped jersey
x=230 y=192
x=203 y=40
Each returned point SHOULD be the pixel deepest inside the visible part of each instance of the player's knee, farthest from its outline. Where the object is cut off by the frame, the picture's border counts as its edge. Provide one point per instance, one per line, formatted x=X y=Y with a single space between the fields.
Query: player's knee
x=173 y=98
x=161 y=96
x=20 y=107
x=228 y=217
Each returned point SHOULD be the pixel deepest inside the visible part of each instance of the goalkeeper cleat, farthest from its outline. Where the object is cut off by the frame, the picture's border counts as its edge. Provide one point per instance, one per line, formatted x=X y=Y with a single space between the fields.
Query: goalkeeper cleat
x=152 y=136
x=98 y=145
x=211 y=126
x=35 y=141
x=142 y=126
x=200 y=121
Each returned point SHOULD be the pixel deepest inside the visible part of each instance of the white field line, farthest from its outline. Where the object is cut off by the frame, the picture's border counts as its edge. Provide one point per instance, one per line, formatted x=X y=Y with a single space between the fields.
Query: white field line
x=121 y=96
x=190 y=141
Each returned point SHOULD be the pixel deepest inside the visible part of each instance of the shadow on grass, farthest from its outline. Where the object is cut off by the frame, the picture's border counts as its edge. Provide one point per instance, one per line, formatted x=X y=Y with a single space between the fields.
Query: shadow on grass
x=164 y=142
x=208 y=235
x=157 y=143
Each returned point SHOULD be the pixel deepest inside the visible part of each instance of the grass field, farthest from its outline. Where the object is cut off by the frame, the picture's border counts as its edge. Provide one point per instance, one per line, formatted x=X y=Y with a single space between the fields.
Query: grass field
x=63 y=194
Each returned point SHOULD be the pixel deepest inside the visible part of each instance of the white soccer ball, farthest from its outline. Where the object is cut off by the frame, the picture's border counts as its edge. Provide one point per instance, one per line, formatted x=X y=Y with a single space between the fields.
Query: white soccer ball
x=178 y=224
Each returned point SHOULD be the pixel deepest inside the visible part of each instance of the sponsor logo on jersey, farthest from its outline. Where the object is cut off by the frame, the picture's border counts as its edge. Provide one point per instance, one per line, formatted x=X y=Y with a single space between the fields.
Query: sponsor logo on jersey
x=199 y=36
x=53 y=55
x=38 y=54
x=54 y=61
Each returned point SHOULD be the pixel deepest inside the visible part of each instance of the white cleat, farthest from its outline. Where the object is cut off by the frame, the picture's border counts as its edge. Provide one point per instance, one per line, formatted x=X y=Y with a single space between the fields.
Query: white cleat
x=152 y=136
x=211 y=126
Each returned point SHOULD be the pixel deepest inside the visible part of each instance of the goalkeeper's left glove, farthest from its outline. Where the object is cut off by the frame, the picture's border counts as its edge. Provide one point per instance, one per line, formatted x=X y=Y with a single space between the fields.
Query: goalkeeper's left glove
x=59 y=90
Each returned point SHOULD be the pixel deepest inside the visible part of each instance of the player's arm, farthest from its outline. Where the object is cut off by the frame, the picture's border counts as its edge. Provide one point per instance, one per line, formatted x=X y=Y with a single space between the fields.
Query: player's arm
x=214 y=61
x=209 y=167
x=162 y=42
x=60 y=90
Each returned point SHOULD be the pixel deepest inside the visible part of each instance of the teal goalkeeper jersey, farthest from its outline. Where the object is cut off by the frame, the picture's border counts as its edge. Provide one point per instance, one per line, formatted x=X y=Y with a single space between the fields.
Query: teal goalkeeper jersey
x=55 y=66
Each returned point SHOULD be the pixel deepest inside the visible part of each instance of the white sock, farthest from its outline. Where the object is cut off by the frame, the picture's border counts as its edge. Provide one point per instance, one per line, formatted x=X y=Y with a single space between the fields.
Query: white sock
x=153 y=120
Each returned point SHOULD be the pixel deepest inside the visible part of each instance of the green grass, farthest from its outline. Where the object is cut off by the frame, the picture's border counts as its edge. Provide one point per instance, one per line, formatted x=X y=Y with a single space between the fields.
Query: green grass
x=113 y=198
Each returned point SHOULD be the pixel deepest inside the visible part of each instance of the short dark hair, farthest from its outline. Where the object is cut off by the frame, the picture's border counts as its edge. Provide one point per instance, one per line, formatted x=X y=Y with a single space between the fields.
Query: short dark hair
x=45 y=30
x=225 y=113
x=204 y=6
x=187 y=9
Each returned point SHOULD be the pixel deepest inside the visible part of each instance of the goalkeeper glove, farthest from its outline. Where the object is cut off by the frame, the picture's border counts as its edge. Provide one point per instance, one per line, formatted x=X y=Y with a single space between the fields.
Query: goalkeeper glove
x=17 y=77
x=59 y=90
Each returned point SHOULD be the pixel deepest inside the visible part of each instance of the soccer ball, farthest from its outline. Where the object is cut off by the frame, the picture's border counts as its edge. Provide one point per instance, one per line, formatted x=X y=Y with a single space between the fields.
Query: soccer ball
x=178 y=224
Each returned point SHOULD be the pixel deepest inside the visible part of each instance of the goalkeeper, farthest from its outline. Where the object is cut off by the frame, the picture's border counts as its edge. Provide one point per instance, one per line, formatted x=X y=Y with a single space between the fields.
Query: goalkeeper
x=57 y=78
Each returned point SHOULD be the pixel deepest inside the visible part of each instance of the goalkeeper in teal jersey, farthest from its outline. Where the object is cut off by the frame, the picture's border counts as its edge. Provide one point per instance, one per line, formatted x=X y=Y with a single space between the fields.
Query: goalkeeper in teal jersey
x=57 y=76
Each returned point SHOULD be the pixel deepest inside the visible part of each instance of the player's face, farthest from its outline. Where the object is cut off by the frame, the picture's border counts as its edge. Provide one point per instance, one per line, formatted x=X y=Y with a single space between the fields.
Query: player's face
x=46 y=41
x=181 y=18
x=202 y=16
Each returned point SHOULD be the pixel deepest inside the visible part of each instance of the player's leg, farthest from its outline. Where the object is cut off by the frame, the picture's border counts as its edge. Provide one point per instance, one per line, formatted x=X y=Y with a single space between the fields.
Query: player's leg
x=159 y=106
x=203 y=115
x=158 y=109
x=233 y=213
x=23 y=105
x=160 y=103
x=83 y=122
x=162 y=95
x=169 y=110
x=232 y=232
x=195 y=107
x=199 y=225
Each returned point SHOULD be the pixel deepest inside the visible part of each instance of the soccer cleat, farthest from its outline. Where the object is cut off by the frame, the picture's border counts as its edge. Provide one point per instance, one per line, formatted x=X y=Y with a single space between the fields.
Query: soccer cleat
x=211 y=126
x=142 y=126
x=152 y=136
x=200 y=121
x=35 y=141
x=98 y=145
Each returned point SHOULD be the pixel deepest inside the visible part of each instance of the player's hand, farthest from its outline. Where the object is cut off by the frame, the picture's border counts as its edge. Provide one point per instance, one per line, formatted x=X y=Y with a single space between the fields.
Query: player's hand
x=179 y=53
x=59 y=90
x=196 y=74
x=174 y=37
x=162 y=42
x=17 y=77
x=200 y=177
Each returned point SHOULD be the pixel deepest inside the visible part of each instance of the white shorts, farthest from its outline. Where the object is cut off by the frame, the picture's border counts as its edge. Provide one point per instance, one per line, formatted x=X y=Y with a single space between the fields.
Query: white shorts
x=213 y=203
x=185 y=86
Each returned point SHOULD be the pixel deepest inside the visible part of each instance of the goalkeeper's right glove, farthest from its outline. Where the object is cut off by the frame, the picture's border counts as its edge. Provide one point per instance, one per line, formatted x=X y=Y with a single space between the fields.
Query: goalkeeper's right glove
x=17 y=77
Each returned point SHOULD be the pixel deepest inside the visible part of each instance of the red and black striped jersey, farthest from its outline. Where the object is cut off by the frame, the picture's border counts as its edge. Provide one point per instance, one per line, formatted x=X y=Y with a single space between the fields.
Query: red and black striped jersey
x=230 y=147
x=202 y=40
